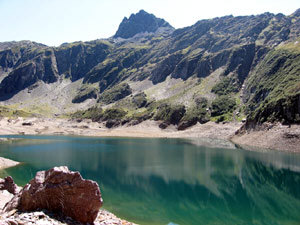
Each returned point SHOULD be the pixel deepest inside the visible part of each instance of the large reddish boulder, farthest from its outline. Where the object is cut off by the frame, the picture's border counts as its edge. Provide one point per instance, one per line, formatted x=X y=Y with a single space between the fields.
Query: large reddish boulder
x=63 y=191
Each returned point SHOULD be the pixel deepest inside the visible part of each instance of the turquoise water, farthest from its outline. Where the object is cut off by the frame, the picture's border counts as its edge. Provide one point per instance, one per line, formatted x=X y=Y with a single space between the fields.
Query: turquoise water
x=171 y=181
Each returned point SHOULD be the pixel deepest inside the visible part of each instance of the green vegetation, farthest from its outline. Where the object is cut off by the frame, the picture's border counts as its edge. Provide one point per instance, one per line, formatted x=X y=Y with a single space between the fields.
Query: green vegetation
x=98 y=114
x=85 y=92
x=276 y=87
x=222 y=105
x=226 y=86
x=115 y=93
x=114 y=114
x=93 y=113
x=170 y=113
x=8 y=112
x=139 y=100
x=197 y=112
x=194 y=114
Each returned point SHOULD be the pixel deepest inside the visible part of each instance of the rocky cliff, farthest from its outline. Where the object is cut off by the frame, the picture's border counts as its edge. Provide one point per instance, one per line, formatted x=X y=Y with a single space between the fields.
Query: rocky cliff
x=250 y=64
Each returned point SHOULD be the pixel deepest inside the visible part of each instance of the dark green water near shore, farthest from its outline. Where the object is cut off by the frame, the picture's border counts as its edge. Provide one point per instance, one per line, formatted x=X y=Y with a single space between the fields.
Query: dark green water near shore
x=171 y=181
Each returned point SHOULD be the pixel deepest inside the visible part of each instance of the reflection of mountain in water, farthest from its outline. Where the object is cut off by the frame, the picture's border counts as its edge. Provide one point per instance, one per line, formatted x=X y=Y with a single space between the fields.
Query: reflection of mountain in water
x=155 y=181
x=237 y=191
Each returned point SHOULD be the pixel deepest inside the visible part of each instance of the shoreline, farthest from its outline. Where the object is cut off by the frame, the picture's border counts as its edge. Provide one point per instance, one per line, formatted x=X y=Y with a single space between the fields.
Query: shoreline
x=275 y=137
x=7 y=163
x=49 y=126
x=272 y=137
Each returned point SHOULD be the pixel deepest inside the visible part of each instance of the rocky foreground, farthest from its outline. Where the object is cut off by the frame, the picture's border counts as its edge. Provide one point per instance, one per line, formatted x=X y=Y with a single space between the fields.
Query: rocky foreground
x=56 y=196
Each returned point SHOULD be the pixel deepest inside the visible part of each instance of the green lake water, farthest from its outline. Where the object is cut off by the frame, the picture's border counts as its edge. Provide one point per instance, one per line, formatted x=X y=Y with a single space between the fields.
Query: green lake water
x=171 y=181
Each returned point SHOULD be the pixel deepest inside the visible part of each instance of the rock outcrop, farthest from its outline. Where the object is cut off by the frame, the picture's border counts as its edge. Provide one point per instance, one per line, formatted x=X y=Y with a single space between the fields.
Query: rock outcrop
x=62 y=191
x=8 y=184
x=138 y=23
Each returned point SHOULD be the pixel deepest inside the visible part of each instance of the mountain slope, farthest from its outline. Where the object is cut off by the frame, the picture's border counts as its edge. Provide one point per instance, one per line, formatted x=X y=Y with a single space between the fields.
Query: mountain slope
x=273 y=91
x=148 y=67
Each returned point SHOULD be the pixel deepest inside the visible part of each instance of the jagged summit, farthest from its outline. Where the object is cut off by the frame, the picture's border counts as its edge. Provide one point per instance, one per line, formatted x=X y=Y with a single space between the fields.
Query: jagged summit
x=138 y=23
x=296 y=13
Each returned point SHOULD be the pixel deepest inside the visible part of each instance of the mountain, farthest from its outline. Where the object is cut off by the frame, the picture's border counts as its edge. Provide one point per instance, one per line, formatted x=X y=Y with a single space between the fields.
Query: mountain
x=219 y=69
x=140 y=23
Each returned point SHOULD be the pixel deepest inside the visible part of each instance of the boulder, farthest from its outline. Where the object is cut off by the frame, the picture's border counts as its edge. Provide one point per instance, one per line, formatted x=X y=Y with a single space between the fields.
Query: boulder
x=187 y=123
x=60 y=191
x=163 y=125
x=112 y=123
x=8 y=184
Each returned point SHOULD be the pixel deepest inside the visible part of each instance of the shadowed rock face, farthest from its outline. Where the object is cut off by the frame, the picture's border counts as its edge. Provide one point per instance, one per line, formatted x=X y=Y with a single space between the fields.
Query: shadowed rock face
x=60 y=190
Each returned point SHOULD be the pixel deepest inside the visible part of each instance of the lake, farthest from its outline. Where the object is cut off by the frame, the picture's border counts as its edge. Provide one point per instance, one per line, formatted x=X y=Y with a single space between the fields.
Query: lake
x=171 y=181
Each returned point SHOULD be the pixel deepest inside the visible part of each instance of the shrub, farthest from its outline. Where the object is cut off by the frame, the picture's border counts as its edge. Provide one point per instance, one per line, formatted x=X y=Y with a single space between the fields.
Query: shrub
x=93 y=113
x=170 y=113
x=222 y=104
x=139 y=100
x=195 y=114
x=225 y=86
x=115 y=93
x=113 y=114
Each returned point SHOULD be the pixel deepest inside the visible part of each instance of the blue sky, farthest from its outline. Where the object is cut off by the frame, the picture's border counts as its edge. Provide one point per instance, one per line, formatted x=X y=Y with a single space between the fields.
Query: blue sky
x=53 y=22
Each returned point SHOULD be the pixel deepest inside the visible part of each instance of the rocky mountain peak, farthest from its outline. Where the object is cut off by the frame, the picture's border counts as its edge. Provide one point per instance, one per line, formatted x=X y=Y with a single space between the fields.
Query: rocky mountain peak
x=296 y=13
x=139 y=23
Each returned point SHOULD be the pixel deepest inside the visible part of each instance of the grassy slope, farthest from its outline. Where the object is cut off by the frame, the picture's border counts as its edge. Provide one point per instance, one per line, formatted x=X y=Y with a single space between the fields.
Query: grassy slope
x=274 y=88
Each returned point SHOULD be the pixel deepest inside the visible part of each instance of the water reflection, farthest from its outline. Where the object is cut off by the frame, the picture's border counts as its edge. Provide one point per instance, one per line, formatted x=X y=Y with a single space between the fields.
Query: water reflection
x=156 y=181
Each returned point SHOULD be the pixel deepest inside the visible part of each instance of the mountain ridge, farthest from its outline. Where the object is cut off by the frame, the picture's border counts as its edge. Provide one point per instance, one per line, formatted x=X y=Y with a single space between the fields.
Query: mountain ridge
x=208 y=60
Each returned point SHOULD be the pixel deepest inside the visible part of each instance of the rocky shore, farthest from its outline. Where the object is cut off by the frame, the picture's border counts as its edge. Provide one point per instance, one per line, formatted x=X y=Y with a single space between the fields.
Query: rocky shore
x=56 y=196
x=267 y=136
x=55 y=126
x=46 y=218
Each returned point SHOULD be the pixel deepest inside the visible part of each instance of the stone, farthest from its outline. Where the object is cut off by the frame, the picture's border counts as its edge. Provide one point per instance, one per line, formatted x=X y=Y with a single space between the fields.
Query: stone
x=187 y=123
x=60 y=190
x=8 y=184
x=163 y=125
x=27 y=124
x=112 y=123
